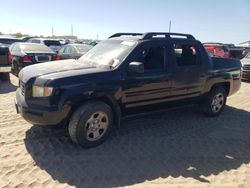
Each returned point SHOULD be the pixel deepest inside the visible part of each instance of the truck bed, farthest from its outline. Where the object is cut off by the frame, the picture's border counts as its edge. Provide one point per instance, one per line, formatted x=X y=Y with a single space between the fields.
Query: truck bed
x=225 y=63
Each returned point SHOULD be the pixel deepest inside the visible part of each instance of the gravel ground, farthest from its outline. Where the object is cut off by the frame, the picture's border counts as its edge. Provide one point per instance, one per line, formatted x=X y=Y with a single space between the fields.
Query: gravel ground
x=179 y=148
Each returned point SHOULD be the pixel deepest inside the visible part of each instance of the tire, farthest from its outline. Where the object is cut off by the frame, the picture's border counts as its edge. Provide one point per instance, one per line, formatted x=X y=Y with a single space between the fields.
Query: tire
x=91 y=124
x=4 y=76
x=14 y=69
x=215 y=102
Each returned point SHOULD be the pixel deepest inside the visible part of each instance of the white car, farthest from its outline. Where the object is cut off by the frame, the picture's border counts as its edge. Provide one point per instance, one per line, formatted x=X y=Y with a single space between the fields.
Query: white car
x=54 y=45
x=246 y=67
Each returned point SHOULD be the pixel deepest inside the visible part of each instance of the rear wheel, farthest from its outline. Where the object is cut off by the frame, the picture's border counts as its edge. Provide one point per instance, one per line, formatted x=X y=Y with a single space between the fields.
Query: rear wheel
x=14 y=68
x=91 y=124
x=215 y=101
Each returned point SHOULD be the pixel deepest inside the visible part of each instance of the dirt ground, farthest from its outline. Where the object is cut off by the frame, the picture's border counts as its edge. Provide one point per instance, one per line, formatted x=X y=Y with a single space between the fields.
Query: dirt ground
x=179 y=148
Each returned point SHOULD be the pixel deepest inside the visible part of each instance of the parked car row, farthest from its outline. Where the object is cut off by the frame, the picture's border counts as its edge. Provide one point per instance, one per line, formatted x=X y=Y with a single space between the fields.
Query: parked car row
x=54 y=45
x=73 y=51
x=23 y=54
x=19 y=53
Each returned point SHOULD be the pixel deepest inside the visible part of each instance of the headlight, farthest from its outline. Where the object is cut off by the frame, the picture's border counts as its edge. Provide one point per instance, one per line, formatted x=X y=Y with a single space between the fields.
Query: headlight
x=38 y=91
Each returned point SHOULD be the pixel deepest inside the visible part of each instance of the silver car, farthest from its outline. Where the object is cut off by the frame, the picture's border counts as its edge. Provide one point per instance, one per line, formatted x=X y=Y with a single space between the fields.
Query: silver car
x=73 y=51
x=54 y=45
x=246 y=67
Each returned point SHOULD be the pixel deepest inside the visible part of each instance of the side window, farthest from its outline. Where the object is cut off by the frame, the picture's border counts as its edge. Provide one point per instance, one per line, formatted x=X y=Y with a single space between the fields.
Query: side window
x=15 y=48
x=73 y=50
x=152 y=57
x=186 y=54
x=61 y=51
x=11 y=47
x=35 y=41
x=67 y=50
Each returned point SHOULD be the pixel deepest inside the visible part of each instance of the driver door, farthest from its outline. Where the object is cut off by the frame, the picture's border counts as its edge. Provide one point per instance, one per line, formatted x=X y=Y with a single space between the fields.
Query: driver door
x=154 y=85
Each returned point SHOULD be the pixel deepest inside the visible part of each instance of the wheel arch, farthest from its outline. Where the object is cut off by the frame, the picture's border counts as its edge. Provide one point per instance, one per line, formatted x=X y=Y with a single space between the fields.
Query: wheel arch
x=105 y=99
x=225 y=85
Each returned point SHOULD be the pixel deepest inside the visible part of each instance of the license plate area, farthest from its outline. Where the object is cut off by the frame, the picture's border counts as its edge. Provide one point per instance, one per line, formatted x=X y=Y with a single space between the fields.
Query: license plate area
x=42 y=58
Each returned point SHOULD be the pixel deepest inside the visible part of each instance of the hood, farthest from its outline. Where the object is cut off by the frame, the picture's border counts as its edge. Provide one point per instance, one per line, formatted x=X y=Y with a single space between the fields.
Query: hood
x=54 y=69
x=245 y=61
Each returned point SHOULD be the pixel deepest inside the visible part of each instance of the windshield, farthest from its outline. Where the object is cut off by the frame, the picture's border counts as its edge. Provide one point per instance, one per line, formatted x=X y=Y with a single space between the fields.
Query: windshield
x=248 y=55
x=108 y=53
x=84 y=48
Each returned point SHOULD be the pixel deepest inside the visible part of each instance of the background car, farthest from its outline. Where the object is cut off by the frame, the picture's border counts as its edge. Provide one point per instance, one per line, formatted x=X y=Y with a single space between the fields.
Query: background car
x=24 y=54
x=235 y=51
x=5 y=42
x=246 y=67
x=217 y=49
x=73 y=51
x=54 y=45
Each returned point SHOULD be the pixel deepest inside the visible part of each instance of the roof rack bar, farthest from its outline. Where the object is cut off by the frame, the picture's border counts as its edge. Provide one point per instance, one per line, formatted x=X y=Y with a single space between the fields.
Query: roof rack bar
x=125 y=34
x=167 y=35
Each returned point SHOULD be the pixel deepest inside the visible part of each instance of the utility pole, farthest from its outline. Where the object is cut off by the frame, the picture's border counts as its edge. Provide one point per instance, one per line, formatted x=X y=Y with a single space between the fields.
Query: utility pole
x=169 y=26
x=72 y=30
x=52 y=31
x=97 y=37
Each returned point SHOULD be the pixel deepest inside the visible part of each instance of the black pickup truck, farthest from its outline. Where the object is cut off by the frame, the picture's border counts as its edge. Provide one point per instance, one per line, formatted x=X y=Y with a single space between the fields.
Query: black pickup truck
x=127 y=74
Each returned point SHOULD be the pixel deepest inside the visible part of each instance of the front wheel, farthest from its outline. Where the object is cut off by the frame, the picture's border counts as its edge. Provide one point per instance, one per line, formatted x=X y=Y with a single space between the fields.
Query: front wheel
x=91 y=124
x=215 y=101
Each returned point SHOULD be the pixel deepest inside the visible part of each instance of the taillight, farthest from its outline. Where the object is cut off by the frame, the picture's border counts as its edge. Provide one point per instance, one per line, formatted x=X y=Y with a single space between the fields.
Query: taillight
x=9 y=57
x=56 y=58
x=26 y=59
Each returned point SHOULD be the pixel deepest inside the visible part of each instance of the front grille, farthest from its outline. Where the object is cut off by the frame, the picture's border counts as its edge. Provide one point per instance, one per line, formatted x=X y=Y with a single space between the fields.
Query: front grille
x=22 y=87
x=246 y=68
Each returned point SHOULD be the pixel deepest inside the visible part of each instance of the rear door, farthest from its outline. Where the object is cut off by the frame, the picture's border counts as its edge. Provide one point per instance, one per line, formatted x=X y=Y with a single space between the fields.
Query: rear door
x=66 y=53
x=74 y=54
x=154 y=85
x=189 y=73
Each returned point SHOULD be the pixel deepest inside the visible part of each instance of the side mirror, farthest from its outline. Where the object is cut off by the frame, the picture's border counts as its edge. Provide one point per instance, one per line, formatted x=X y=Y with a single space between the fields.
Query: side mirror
x=136 y=68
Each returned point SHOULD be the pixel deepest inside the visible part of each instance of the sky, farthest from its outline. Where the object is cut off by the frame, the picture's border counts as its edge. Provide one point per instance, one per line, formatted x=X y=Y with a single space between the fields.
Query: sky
x=225 y=21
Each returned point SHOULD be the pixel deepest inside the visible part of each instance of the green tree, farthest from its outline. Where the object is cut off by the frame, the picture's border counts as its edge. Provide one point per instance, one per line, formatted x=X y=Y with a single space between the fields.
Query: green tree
x=18 y=35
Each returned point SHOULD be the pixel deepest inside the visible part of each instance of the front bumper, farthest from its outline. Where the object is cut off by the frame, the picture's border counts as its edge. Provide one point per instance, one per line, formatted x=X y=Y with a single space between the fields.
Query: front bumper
x=40 y=115
x=5 y=68
x=245 y=75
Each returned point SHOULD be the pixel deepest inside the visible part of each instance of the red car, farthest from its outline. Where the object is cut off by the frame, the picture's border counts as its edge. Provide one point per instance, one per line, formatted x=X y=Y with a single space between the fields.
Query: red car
x=218 y=50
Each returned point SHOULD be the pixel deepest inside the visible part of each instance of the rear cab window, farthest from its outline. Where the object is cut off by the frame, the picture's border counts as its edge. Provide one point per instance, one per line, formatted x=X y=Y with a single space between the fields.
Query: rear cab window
x=186 y=54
